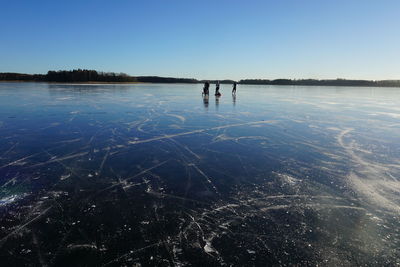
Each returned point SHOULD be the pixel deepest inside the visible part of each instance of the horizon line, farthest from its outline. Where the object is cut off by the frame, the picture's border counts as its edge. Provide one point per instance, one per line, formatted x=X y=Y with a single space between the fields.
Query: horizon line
x=199 y=79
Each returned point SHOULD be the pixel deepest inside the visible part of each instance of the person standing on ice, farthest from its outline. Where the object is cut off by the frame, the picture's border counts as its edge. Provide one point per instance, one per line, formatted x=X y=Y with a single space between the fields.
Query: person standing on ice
x=217 y=93
x=234 y=88
x=206 y=88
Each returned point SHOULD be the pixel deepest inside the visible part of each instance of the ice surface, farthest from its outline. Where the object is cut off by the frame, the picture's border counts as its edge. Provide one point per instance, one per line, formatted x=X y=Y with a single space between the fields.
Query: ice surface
x=114 y=175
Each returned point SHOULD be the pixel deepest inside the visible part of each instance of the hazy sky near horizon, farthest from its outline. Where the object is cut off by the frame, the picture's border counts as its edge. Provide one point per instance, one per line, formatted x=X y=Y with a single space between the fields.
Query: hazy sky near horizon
x=209 y=39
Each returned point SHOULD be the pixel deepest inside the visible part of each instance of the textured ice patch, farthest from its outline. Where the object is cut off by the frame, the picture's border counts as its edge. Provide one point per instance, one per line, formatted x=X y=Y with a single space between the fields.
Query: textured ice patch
x=9 y=199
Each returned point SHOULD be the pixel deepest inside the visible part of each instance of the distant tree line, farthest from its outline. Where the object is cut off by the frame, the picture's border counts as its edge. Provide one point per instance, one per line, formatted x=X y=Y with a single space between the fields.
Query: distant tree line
x=156 y=79
x=87 y=76
x=220 y=81
x=83 y=75
x=313 y=82
x=10 y=76
x=78 y=75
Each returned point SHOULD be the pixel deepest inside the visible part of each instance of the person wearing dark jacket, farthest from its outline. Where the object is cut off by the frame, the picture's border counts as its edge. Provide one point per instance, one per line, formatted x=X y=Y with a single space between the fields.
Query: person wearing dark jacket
x=206 y=88
x=217 y=93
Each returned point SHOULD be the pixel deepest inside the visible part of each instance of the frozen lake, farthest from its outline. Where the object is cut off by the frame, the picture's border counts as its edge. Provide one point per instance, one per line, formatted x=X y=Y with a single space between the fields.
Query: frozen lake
x=154 y=174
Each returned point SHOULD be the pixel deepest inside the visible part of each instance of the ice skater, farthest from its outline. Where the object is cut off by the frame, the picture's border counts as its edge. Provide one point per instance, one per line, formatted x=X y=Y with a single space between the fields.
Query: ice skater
x=217 y=93
x=234 y=89
x=206 y=88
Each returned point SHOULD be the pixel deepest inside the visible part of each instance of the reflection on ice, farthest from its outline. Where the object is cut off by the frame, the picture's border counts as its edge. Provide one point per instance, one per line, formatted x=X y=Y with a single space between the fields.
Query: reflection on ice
x=159 y=175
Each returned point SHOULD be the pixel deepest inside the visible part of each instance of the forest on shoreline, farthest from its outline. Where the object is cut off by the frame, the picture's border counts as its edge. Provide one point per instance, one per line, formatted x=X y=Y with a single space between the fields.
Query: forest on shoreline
x=82 y=76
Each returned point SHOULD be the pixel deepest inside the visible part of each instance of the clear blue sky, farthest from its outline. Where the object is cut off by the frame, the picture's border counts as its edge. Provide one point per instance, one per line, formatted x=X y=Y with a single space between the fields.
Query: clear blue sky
x=208 y=39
